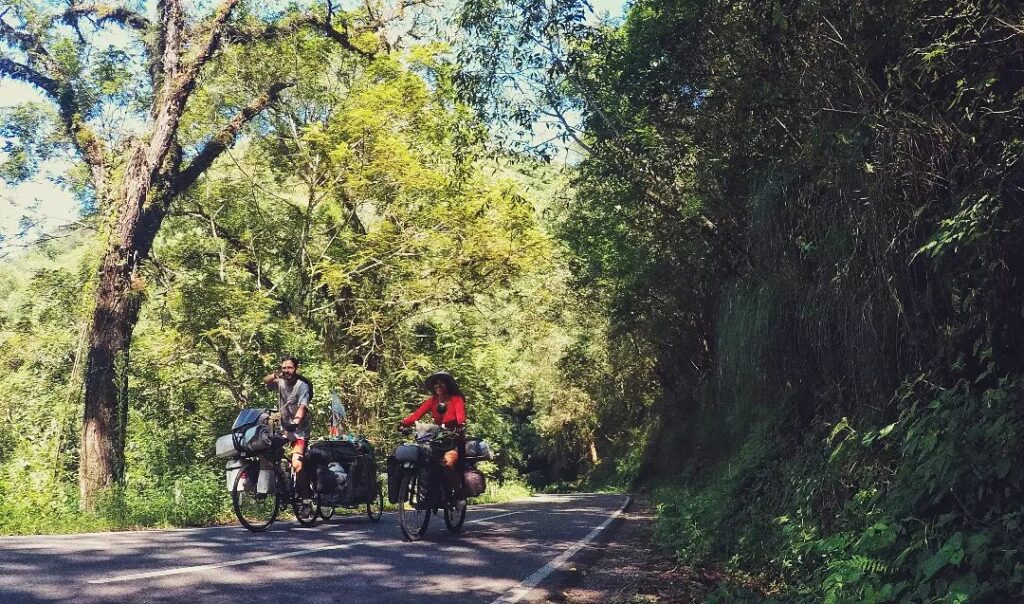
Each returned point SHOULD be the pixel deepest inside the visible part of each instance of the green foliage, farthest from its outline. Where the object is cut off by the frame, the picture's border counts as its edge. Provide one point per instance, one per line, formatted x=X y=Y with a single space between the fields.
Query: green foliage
x=503 y=491
x=939 y=526
x=807 y=216
x=194 y=498
x=365 y=231
x=29 y=138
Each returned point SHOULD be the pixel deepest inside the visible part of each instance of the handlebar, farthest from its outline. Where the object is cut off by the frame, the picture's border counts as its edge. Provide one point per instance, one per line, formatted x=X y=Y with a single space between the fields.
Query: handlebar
x=441 y=433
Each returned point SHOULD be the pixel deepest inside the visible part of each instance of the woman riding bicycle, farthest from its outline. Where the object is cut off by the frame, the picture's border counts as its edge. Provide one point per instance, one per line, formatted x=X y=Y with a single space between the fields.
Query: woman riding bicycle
x=448 y=408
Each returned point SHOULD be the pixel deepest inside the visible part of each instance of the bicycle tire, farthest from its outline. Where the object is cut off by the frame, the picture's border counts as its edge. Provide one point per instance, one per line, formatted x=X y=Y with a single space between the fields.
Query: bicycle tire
x=246 y=505
x=409 y=509
x=455 y=515
x=306 y=516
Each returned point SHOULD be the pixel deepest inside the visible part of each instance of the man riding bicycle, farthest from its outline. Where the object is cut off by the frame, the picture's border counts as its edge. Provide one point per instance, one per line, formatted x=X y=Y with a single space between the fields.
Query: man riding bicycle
x=293 y=395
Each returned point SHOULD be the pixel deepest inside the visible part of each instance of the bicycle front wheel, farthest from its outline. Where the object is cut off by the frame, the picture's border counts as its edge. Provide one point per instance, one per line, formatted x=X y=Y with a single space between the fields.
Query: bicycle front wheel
x=413 y=515
x=256 y=511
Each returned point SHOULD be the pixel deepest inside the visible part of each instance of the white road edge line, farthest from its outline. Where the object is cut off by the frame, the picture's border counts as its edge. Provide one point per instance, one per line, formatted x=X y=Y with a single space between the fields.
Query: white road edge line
x=204 y=567
x=520 y=591
x=493 y=517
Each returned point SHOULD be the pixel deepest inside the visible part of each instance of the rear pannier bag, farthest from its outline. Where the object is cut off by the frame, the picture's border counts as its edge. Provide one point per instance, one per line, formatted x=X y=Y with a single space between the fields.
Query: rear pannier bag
x=360 y=480
x=473 y=482
x=478 y=449
x=394 y=478
x=231 y=470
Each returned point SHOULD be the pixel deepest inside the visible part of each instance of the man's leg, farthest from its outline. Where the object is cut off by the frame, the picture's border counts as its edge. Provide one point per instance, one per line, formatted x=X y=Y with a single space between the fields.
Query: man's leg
x=302 y=477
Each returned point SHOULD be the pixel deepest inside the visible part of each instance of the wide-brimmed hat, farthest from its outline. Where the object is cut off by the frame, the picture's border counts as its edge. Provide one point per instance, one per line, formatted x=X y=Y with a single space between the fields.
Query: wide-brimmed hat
x=453 y=387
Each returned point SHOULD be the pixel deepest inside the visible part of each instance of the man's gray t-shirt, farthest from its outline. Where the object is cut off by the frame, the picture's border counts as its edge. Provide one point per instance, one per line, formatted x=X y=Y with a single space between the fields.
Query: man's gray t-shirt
x=289 y=398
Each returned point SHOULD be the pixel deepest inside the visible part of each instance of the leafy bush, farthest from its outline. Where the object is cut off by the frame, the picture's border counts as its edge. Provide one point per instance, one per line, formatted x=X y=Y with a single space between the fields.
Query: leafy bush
x=923 y=512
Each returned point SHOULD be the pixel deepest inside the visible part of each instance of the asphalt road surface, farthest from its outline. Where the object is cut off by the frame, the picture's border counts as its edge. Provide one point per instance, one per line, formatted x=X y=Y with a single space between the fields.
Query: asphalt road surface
x=505 y=554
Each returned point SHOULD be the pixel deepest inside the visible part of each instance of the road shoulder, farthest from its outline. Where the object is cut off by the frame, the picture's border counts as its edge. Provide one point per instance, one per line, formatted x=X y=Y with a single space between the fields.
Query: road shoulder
x=627 y=567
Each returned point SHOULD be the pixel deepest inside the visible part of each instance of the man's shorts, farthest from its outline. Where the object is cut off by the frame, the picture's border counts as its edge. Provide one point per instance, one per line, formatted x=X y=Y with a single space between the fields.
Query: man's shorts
x=298 y=434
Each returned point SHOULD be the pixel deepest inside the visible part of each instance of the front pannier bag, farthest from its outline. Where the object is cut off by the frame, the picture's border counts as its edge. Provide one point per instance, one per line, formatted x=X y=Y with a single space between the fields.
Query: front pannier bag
x=394 y=478
x=413 y=453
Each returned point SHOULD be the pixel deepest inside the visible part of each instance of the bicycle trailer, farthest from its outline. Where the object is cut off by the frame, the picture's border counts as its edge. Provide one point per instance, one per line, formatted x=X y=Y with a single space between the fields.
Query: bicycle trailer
x=345 y=470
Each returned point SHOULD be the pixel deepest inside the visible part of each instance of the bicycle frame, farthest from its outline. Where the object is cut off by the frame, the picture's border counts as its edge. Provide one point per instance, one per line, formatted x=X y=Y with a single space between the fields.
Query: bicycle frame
x=421 y=498
x=285 y=490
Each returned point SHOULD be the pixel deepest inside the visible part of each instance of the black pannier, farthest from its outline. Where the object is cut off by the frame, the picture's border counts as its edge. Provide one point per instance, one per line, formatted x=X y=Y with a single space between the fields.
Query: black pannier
x=394 y=478
x=473 y=482
x=358 y=462
x=361 y=476
x=341 y=451
x=430 y=482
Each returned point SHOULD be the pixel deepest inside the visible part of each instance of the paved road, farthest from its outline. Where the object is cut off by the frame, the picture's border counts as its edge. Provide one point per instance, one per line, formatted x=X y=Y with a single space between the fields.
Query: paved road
x=503 y=551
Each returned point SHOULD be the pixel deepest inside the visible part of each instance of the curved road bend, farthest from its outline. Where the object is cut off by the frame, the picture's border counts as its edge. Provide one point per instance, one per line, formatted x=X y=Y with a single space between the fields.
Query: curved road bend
x=503 y=551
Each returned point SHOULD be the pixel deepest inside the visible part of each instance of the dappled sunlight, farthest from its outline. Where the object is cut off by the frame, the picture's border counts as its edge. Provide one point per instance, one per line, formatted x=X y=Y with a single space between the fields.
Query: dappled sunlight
x=487 y=558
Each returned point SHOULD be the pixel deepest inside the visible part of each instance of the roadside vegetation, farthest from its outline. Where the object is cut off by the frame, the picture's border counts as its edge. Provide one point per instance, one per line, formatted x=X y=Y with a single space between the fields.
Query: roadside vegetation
x=362 y=223
x=804 y=222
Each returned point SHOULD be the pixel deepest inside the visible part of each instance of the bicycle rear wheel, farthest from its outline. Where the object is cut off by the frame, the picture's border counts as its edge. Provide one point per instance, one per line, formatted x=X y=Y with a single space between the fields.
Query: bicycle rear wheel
x=413 y=515
x=256 y=511
x=306 y=510
x=455 y=515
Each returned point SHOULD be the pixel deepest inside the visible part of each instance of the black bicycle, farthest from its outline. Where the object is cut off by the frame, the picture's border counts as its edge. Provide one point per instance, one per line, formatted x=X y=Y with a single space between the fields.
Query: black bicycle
x=264 y=481
x=422 y=489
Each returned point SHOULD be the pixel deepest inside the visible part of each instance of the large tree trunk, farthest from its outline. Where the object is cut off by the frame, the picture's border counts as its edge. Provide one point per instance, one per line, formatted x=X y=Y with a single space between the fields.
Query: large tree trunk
x=153 y=176
x=114 y=318
x=149 y=186
x=118 y=301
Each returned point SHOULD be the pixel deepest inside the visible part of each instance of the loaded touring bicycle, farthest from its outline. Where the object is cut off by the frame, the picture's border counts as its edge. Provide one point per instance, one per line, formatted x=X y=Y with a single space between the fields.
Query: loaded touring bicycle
x=417 y=485
x=340 y=471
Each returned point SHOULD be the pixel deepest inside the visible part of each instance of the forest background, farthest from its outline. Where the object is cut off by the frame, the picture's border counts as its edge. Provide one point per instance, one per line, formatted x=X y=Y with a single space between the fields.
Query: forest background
x=779 y=282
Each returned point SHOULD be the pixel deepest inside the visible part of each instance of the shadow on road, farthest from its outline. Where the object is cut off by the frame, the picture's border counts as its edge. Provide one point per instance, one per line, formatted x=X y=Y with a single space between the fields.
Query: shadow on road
x=347 y=559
